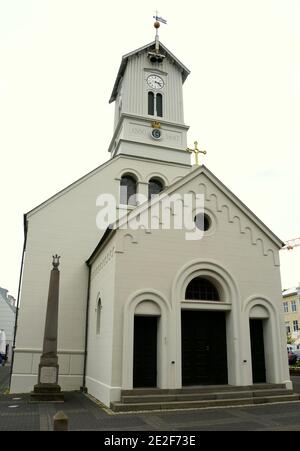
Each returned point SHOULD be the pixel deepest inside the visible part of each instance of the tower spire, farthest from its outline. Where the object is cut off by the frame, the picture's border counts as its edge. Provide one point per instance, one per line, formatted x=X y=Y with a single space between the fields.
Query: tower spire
x=156 y=26
x=156 y=57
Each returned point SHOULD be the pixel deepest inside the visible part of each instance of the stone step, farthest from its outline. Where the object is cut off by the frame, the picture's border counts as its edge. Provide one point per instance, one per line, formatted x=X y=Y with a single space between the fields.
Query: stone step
x=181 y=405
x=199 y=389
x=204 y=396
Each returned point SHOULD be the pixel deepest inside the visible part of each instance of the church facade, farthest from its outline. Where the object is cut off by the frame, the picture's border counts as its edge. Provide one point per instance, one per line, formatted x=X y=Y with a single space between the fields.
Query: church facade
x=143 y=306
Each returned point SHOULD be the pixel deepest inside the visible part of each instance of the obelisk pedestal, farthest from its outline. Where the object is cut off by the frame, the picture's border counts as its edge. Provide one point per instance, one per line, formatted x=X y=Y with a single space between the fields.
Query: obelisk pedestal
x=47 y=388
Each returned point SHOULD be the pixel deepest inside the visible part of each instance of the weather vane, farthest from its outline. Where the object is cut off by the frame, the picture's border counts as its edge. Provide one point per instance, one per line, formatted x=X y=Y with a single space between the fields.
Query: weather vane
x=156 y=57
x=196 y=151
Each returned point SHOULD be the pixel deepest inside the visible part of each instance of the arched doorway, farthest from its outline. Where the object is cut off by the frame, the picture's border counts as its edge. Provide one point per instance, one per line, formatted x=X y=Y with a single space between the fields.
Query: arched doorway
x=203 y=335
x=259 y=322
x=145 y=351
x=146 y=332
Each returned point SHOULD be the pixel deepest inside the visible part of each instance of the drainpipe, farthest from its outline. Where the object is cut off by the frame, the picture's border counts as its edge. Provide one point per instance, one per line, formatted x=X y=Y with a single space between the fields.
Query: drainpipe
x=83 y=388
x=18 y=298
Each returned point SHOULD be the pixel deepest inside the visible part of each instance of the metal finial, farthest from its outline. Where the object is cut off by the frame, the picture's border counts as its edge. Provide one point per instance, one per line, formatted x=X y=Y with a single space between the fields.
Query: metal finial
x=55 y=261
x=196 y=151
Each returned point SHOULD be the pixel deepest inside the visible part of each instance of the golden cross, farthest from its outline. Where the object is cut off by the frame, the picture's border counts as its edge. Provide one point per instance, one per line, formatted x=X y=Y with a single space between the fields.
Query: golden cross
x=196 y=151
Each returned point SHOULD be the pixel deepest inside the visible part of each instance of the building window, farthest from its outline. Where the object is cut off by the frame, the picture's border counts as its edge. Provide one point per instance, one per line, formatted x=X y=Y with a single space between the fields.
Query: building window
x=287 y=328
x=159 y=105
x=293 y=305
x=202 y=221
x=155 y=104
x=155 y=187
x=295 y=326
x=285 y=307
x=201 y=289
x=128 y=188
x=151 y=103
x=98 y=319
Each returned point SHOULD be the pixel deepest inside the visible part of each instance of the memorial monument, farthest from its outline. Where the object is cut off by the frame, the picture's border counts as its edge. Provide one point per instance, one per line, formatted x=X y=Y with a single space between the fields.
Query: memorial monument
x=47 y=388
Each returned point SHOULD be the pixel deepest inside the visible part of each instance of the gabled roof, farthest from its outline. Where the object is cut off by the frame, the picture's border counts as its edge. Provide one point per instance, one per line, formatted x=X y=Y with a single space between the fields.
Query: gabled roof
x=173 y=188
x=185 y=71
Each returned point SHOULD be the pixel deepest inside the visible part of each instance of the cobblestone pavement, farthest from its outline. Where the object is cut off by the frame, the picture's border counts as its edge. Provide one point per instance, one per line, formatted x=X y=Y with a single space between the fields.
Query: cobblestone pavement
x=84 y=414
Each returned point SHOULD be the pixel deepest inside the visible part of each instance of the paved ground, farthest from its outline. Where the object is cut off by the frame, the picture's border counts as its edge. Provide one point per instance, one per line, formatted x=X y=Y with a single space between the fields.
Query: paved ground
x=84 y=414
x=4 y=378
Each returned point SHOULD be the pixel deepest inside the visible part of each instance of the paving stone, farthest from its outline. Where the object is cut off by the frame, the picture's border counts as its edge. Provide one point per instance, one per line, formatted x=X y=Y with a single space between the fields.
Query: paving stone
x=84 y=414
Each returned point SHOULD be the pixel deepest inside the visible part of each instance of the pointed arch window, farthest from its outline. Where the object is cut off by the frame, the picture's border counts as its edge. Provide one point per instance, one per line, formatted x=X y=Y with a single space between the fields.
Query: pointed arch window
x=128 y=190
x=202 y=289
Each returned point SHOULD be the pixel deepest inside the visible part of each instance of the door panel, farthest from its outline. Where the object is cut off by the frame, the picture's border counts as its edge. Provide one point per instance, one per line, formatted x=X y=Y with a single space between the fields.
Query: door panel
x=257 y=351
x=145 y=351
x=204 y=351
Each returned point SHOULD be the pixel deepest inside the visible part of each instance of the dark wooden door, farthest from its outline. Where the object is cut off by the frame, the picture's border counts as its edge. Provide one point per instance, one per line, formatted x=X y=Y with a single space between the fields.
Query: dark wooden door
x=145 y=351
x=257 y=351
x=204 y=351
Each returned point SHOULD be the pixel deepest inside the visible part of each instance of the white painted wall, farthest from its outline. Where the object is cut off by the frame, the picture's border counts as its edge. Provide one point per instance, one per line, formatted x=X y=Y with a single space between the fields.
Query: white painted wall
x=157 y=267
x=100 y=346
x=134 y=89
x=66 y=224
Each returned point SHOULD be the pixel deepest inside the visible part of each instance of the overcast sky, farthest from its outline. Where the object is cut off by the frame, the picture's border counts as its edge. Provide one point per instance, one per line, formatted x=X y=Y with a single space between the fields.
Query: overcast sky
x=58 y=63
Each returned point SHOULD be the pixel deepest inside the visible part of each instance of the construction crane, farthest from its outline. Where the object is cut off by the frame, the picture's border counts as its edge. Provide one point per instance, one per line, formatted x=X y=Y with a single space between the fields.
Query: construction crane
x=290 y=244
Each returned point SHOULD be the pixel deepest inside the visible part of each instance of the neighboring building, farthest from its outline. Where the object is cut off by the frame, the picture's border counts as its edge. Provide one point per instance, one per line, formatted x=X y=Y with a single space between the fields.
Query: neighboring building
x=157 y=309
x=291 y=310
x=7 y=319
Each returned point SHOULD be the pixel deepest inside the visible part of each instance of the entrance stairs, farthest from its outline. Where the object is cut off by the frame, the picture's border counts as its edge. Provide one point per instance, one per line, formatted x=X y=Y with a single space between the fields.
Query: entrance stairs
x=144 y=399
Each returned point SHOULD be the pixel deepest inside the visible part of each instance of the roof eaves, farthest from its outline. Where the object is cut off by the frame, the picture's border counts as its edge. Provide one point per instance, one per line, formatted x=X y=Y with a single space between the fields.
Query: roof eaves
x=185 y=70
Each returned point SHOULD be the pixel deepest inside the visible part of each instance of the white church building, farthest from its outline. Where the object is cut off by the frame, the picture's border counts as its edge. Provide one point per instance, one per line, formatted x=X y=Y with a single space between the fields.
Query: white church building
x=144 y=306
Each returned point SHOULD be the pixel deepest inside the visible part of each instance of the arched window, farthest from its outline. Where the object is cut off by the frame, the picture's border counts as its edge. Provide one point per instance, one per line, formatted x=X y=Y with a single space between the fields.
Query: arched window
x=151 y=103
x=201 y=289
x=98 y=319
x=128 y=190
x=155 y=104
x=155 y=187
x=159 y=105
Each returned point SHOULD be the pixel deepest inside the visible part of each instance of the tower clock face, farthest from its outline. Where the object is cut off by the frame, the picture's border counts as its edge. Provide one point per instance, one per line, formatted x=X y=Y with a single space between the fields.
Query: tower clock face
x=155 y=82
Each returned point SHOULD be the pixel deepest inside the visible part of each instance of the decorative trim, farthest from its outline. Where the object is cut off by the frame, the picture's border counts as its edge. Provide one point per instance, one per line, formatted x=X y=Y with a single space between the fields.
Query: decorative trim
x=103 y=262
x=234 y=218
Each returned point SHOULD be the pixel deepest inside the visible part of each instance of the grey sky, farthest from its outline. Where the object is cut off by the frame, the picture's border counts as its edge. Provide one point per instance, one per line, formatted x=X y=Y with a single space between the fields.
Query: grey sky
x=58 y=63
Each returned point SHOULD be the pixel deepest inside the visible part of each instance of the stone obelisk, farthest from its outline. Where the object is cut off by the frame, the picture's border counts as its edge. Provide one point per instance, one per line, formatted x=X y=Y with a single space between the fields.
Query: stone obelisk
x=47 y=388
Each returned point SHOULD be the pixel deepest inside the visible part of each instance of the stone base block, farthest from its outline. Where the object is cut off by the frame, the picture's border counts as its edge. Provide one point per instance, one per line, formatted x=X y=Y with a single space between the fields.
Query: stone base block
x=47 y=393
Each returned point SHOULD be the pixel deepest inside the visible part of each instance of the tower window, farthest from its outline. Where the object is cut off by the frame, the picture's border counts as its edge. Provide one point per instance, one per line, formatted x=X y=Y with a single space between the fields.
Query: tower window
x=159 y=105
x=151 y=103
x=155 y=187
x=128 y=190
x=155 y=104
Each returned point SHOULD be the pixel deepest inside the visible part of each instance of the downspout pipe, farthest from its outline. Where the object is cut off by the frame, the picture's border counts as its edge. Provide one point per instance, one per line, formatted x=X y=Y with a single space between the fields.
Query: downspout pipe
x=83 y=388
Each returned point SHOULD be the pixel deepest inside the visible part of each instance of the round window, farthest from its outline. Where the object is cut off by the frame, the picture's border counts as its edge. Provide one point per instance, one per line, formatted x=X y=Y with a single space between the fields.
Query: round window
x=202 y=221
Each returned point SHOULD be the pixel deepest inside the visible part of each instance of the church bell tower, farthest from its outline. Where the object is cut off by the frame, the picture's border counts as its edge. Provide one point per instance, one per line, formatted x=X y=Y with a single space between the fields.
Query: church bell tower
x=149 y=121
